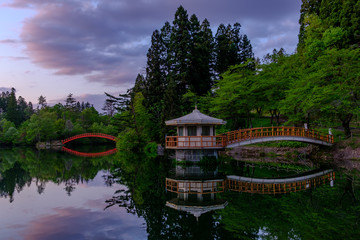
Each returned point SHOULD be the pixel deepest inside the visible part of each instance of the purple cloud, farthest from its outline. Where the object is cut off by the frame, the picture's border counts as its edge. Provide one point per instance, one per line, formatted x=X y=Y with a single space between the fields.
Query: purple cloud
x=9 y=41
x=107 y=41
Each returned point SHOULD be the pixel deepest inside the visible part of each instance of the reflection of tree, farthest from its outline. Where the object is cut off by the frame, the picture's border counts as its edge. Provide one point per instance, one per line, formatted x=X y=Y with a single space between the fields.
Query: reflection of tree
x=13 y=179
x=40 y=186
x=122 y=198
x=70 y=186
x=349 y=191
x=19 y=165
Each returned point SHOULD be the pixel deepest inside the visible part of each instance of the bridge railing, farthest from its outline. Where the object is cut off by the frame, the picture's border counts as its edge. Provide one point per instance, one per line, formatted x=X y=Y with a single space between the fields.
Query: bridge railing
x=84 y=135
x=281 y=186
x=247 y=134
x=251 y=185
x=221 y=141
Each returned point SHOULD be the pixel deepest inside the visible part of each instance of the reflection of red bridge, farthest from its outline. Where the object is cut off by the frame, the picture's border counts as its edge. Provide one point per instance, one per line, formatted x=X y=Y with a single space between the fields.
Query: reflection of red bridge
x=82 y=154
x=86 y=135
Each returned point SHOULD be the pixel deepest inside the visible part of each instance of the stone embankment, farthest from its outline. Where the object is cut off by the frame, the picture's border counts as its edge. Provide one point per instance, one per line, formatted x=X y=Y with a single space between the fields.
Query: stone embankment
x=54 y=144
x=345 y=155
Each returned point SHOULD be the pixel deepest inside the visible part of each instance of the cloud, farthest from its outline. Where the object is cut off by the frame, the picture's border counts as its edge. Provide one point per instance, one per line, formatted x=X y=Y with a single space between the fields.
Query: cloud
x=14 y=58
x=9 y=41
x=107 y=41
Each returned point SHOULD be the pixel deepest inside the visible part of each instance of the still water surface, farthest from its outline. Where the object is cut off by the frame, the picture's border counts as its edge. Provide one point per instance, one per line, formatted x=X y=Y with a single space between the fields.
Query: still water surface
x=55 y=195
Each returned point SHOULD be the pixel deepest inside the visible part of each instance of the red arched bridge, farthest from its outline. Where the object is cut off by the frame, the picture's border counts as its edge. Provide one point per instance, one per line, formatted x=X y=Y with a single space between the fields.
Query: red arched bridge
x=249 y=136
x=86 y=135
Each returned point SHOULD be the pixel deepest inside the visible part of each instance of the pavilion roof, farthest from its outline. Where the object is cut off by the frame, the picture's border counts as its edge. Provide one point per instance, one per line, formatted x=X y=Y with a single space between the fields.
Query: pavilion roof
x=196 y=117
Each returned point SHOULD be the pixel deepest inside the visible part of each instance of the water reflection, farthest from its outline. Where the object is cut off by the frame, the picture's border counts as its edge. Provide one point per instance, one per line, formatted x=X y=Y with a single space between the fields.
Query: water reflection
x=134 y=196
x=86 y=154
x=197 y=190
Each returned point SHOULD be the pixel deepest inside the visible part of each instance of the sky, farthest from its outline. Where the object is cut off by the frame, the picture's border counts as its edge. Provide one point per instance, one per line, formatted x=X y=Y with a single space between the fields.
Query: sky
x=88 y=47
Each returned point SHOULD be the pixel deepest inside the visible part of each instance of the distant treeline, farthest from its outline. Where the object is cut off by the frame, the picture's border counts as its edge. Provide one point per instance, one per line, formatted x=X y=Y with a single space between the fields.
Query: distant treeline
x=20 y=123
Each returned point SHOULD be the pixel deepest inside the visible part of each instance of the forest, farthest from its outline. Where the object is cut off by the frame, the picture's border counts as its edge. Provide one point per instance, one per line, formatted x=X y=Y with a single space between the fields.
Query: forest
x=188 y=65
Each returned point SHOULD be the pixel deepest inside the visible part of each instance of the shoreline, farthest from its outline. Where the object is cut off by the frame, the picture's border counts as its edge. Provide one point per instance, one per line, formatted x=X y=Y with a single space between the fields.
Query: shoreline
x=344 y=155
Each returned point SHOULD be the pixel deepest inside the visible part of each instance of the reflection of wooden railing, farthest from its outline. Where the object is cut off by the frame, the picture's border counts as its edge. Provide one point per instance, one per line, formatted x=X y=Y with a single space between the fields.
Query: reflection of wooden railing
x=82 y=154
x=250 y=185
x=86 y=135
x=223 y=140
x=195 y=186
x=278 y=186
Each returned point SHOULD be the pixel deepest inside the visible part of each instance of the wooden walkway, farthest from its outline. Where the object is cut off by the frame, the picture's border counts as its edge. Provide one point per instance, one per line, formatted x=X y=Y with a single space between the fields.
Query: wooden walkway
x=251 y=185
x=249 y=136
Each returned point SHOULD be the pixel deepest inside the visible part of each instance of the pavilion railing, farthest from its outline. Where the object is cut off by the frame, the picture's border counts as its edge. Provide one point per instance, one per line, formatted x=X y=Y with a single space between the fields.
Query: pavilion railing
x=195 y=186
x=195 y=142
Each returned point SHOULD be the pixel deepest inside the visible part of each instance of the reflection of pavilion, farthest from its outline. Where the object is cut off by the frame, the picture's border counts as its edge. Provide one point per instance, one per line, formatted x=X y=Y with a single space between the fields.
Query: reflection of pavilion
x=196 y=194
x=196 y=190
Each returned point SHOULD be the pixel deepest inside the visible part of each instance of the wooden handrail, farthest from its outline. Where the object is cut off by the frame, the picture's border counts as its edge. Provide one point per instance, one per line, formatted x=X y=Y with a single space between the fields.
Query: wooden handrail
x=278 y=187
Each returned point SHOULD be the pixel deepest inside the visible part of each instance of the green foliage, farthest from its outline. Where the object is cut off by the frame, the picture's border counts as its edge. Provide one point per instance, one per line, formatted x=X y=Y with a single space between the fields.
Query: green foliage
x=48 y=123
x=233 y=96
x=151 y=150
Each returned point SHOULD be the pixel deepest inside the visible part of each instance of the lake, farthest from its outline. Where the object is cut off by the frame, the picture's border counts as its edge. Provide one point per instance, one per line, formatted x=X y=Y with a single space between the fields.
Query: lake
x=52 y=194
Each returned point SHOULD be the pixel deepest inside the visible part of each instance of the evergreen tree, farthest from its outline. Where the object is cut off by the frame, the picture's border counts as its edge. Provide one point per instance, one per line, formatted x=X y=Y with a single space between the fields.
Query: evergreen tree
x=179 y=47
x=200 y=69
x=166 y=54
x=246 y=49
x=70 y=101
x=231 y=48
x=41 y=102
x=21 y=108
x=12 y=113
x=155 y=76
